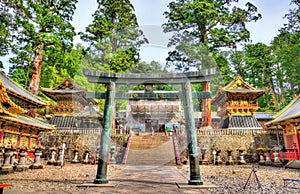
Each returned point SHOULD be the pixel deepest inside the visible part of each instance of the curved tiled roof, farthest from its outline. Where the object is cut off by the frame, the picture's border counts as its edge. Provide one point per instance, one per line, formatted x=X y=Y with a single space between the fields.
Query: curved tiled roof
x=291 y=111
x=7 y=105
x=29 y=121
x=89 y=112
x=241 y=122
x=63 y=122
x=15 y=89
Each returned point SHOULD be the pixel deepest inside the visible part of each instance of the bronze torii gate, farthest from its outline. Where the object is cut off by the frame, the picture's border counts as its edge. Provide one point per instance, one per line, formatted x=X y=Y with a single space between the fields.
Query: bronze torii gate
x=184 y=79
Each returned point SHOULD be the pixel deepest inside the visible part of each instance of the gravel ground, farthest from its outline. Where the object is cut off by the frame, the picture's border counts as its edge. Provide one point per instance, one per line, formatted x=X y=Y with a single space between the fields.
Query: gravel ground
x=230 y=179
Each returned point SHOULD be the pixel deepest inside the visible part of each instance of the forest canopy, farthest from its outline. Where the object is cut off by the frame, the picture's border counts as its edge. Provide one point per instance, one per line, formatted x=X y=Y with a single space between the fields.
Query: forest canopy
x=39 y=39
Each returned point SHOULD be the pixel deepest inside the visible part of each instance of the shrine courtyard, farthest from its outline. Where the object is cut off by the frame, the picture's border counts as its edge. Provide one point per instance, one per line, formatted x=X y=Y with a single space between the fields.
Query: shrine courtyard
x=76 y=178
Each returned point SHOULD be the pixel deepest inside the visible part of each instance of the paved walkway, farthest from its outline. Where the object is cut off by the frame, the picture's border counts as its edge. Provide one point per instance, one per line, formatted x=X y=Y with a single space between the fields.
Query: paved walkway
x=136 y=179
x=148 y=179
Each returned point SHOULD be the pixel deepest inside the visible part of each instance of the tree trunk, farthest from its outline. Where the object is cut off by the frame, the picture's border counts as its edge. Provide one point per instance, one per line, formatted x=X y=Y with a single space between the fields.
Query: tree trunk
x=36 y=74
x=273 y=94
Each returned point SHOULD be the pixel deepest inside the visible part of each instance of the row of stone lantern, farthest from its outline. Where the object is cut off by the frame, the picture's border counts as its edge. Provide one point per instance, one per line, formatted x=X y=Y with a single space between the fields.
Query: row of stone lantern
x=10 y=161
x=265 y=156
x=57 y=156
x=217 y=156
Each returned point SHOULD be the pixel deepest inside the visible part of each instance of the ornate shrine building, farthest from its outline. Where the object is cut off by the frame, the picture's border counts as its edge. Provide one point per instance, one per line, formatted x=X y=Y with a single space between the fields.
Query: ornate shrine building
x=237 y=104
x=289 y=120
x=151 y=113
x=15 y=126
x=73 y=112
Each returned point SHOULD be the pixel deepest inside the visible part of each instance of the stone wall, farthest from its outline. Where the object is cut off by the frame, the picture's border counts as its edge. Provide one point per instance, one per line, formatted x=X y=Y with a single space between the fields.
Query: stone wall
x=212 y=142
x=82 y=141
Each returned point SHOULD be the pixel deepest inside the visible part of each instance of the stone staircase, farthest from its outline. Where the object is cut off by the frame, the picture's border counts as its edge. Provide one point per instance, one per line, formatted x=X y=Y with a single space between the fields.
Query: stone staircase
x=151 y=150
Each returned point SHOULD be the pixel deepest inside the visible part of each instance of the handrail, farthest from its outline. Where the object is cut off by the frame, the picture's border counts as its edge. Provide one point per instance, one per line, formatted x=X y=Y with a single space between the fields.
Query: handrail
x=127 y=149
x=176 y=149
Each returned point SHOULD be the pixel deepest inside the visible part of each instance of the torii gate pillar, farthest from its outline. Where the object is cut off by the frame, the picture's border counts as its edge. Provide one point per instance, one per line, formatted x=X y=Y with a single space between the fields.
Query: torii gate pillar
x=101 y=176
x=195 y=177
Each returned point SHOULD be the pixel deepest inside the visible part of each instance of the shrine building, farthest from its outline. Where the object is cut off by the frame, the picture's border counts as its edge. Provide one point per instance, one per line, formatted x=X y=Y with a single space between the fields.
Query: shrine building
x=73 y=112
x=153 y=114
x=288 y=119
x=16 y=126
x=237 y=104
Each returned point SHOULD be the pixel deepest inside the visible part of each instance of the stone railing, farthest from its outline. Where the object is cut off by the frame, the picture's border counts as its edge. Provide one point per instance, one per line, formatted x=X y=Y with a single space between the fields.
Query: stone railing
x=82 y=131
x=235 y=131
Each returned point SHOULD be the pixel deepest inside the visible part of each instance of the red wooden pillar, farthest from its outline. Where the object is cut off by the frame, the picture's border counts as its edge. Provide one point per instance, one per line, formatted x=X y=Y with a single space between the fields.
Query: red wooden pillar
x=206 y=107
x=36 y=141
x=1 y=136
x=19 y=140
x=28 y=142
x=297 y=137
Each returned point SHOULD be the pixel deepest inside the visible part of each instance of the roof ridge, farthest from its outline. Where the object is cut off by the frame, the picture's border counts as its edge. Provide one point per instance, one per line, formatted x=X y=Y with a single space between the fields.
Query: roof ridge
x=286 y=107
x=38 y=121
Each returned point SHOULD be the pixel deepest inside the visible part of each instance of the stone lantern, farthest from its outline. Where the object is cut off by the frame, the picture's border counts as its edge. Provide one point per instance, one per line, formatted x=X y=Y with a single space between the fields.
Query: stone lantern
x=241 y=151
x=219 y=161
x=22 y=161
x=1 y=152
x=229 y=155
x=112 y=154
x=86 y=156
x=75 y=152
x=268 y=157
x=38 y=151
x=260 y=151
x=53 y=151
x=277 y=161
x=9 y=150
x=204 y=160
x=61 y=150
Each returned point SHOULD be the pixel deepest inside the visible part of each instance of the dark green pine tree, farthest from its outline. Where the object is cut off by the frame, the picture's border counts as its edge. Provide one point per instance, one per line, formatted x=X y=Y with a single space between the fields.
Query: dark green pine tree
x=200 y=25
x=114 y=36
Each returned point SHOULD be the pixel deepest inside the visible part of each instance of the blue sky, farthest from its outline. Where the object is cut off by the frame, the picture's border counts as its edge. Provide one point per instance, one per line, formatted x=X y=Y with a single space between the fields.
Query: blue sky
x=150 y=18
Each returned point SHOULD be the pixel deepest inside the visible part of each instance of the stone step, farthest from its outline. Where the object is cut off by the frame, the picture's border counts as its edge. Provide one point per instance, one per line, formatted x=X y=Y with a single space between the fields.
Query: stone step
x=151 y=151
x=147 y=142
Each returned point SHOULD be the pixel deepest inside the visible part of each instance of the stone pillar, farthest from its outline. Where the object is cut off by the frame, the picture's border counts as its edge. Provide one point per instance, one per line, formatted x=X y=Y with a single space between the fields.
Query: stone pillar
x=101 y=176
x=21 y=164
x=206 y=108
x=195 y=177
x=60 y=155
x=37 y=158
x=112 y=154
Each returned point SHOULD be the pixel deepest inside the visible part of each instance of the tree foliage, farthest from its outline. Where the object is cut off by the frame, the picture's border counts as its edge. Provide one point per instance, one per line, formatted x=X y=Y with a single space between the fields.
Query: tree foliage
x=114 y=36
x=42 y=33
x=293 y=18
x=208 y=24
